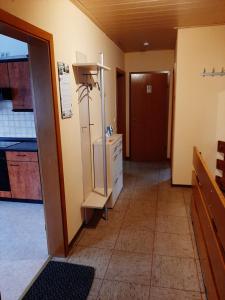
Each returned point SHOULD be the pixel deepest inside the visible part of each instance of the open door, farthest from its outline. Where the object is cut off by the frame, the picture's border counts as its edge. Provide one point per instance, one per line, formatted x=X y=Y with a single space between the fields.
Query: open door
x=121 y=105
x=42 y=67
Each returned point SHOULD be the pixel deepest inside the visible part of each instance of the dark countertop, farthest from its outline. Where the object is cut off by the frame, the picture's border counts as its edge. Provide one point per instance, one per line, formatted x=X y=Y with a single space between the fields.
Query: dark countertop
x=25 y=144
x=14 y=58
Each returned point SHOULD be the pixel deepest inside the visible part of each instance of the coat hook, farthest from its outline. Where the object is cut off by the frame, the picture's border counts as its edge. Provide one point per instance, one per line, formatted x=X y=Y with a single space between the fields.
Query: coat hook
x=204 y=72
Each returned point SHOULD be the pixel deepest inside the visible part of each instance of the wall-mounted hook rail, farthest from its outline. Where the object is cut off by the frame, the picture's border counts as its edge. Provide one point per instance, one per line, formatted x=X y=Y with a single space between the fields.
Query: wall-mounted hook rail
x=213 y=73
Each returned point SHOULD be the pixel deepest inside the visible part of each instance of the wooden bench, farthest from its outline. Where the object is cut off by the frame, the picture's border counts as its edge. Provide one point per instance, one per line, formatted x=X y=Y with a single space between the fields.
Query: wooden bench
x=96 y=200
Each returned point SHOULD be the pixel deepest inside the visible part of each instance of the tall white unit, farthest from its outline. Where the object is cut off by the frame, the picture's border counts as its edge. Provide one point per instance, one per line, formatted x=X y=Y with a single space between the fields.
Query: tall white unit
x=114 y=154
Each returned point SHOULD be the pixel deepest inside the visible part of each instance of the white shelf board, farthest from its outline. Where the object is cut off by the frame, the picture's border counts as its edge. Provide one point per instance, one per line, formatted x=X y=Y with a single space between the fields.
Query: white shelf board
x=95 y=200
x=91 y=67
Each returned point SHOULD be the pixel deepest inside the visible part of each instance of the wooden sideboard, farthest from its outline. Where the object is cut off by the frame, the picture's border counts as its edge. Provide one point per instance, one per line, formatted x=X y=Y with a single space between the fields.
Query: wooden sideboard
x=208 y=217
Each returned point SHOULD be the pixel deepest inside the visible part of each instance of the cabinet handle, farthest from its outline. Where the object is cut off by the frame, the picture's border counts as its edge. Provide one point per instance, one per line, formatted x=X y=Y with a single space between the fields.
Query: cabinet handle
x=21 y=155
x=11 y=165
x=115 y=182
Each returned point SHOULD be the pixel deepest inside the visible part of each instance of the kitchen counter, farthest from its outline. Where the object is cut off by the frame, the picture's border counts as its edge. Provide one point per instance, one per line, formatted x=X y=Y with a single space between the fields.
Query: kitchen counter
x=24 y=144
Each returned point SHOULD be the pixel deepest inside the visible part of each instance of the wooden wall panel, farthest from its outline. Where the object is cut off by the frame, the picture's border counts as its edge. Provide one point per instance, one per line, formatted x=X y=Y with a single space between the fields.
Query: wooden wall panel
x=202 y=251
x=130 y=23
x=208 y=216
x=214 y=198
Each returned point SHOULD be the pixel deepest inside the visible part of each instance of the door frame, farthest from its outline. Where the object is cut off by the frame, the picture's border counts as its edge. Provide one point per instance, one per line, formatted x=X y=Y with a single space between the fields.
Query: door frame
x=122 y=73
x=168 y=72
x=18 y=28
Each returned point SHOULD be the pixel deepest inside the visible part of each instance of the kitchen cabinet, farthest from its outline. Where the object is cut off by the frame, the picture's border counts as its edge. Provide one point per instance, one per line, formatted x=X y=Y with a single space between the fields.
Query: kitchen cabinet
x=20 y=83
x=24 y=175
x=114 y=153
x=4 y=75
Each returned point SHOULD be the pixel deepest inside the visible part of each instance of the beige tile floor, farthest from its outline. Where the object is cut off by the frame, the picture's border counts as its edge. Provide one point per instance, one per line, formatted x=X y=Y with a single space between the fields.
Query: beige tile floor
x=146 y=250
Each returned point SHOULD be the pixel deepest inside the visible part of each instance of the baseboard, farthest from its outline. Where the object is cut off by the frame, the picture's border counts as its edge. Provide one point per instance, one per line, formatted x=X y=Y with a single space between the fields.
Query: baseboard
x=76 y=236
x=182 y=185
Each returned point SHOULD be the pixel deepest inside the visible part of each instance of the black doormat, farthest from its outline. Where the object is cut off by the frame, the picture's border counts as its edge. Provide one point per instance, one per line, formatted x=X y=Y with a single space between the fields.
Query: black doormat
x=62 y=281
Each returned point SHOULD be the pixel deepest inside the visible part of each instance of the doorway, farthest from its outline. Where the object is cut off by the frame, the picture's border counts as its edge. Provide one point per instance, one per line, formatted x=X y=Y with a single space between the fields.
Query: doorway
x=149 y=105
x=46 y=115
x=121 y=105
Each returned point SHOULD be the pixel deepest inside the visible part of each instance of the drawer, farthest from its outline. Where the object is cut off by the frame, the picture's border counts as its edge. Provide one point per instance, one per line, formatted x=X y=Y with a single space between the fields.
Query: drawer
x=5 y=194
x=117 y=164
x=117 y=146
x=21 y=156
x=117 y=187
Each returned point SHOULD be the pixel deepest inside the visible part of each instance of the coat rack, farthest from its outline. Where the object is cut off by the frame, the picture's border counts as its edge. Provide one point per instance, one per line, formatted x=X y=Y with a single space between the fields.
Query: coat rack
x=88 y=76
x=213 y=73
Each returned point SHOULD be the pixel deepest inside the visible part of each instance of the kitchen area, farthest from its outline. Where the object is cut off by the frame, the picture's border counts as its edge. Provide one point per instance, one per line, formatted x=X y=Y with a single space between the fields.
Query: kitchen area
x=23 y=243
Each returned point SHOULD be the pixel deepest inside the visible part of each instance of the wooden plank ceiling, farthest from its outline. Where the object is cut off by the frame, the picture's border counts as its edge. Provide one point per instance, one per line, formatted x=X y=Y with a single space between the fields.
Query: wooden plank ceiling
x=129 y=23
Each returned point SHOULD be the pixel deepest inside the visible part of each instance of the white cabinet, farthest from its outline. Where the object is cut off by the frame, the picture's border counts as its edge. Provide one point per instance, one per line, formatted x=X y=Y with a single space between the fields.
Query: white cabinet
x=114 y=153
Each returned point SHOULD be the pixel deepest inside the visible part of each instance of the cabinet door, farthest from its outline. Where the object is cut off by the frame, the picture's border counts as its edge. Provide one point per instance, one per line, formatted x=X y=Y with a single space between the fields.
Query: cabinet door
x=4 y=75
x=19 y=78
x=24 y=180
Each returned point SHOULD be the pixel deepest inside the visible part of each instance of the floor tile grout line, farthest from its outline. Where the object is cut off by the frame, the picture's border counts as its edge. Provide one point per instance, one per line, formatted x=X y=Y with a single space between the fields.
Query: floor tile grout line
x=176 y=289
x=189 y=224
x=112 y=250
x=151 y=274
x=140 y=253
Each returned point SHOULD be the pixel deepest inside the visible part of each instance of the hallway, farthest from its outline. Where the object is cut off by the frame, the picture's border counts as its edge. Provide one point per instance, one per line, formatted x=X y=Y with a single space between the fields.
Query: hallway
x=147 y=249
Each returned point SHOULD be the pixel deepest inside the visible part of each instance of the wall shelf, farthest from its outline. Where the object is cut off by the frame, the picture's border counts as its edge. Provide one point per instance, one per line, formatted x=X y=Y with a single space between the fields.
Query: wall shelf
x=90 y=67
x=84 y=72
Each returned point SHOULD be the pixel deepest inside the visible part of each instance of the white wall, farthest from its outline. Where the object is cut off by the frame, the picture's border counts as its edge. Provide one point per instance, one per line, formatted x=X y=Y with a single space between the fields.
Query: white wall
x=200 y=101
x=73 y=31
x=12 y=47
x=146 y=61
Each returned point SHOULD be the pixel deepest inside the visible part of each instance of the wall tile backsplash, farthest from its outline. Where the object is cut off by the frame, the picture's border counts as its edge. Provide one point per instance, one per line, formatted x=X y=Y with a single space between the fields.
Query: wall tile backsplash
x=15 y=124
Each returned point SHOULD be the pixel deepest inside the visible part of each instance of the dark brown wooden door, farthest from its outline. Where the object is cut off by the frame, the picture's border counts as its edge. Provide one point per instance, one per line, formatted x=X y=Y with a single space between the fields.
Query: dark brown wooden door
x=121 y=106
x=148 y=116
x=19 y=77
